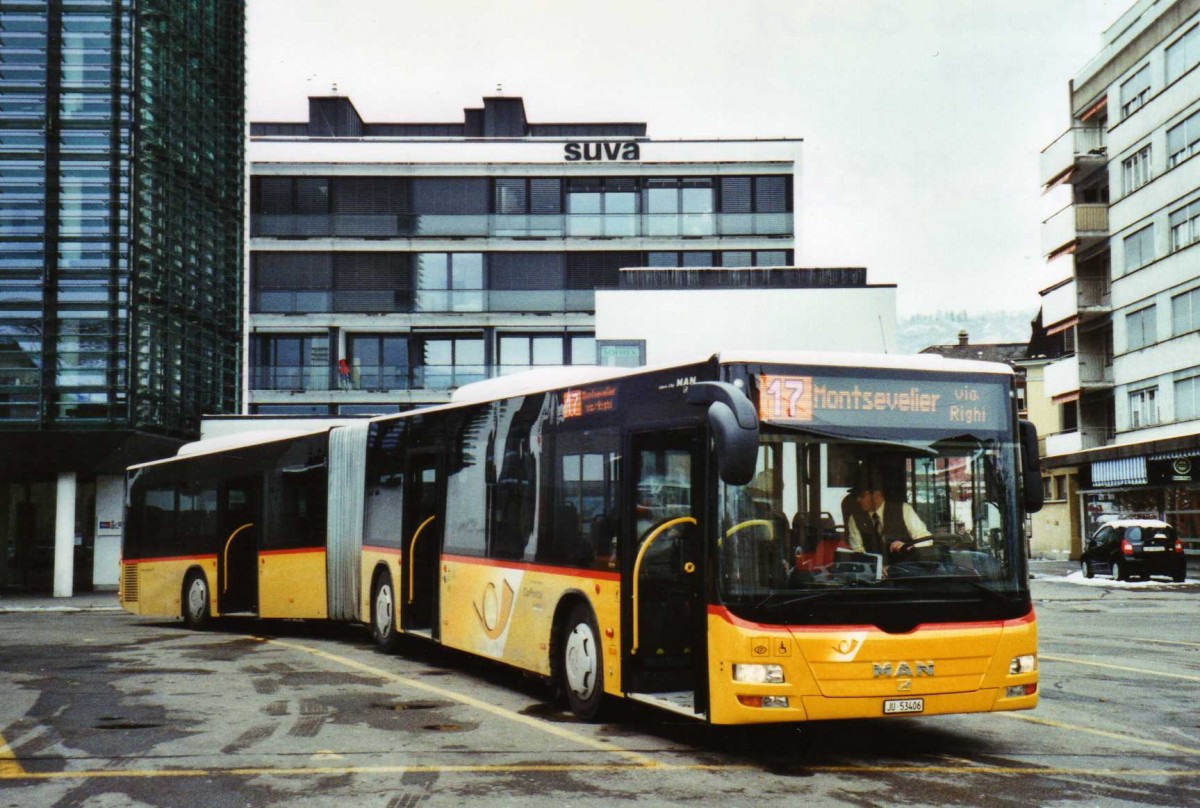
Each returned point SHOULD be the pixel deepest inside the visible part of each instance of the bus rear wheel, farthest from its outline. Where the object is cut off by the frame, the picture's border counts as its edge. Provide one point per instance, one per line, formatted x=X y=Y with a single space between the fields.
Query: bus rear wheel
x=196 y=613
x=383 y=615
x=582 y=663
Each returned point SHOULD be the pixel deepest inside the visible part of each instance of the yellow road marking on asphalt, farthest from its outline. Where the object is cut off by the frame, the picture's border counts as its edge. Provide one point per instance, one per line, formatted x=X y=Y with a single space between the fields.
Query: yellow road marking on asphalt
x=9 y=765
x=1126 y=739
x=1183 y=676
x=574 y=737
x=111 y=774
x=1168 y=642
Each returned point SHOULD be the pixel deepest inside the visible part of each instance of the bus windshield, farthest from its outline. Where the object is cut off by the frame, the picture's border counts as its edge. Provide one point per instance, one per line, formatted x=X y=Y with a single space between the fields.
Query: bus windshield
x=836 y=530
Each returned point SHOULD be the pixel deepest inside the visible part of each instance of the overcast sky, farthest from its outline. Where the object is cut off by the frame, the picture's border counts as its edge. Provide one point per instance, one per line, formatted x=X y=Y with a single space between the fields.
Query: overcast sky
x=922 y=120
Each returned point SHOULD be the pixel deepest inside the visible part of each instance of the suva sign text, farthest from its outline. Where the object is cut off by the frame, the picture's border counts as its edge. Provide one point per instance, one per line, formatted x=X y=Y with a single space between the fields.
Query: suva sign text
x=574 y=152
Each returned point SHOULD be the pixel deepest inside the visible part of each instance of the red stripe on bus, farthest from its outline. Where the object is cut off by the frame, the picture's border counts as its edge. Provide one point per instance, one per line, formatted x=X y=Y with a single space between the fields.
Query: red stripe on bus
x=292 y=551
x=724 y=614
x=211 y=557
x=520 y=565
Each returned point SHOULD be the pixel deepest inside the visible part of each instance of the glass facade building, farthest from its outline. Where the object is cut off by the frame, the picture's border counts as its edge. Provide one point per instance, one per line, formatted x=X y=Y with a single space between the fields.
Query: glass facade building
x=121 y=219
x=393 y=262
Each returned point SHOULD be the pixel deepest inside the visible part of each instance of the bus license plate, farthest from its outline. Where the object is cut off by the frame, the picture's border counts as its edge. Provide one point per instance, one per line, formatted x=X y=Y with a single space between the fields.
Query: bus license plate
x=894 y=706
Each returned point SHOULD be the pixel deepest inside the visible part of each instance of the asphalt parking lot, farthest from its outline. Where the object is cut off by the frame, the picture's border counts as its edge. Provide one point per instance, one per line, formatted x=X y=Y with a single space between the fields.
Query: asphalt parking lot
x=101 y=708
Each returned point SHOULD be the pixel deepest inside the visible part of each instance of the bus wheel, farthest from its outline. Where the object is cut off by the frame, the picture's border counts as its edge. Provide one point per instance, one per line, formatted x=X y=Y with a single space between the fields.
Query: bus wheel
x=582 y=663
x=196 y=614
x=383 y=615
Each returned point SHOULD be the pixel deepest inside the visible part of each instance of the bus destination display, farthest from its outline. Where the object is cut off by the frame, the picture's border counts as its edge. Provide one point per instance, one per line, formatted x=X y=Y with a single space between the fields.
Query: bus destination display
x=900 y=403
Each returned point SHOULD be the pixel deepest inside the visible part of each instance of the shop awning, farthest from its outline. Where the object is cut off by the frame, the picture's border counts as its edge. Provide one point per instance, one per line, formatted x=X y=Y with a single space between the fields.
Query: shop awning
x=1123 y=471
x=1175 y=455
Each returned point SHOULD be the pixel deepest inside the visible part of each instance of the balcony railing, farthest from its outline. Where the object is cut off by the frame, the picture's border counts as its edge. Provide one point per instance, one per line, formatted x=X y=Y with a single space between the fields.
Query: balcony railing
x=1077 y=440
x=1082 y=223
x=1077 y=144
x=649 y=225
x=366 y=378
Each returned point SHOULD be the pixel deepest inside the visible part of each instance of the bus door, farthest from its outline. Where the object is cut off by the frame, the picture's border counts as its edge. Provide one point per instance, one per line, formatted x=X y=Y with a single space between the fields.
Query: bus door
x=422 y=545
x=664 y=614
x=237 y=550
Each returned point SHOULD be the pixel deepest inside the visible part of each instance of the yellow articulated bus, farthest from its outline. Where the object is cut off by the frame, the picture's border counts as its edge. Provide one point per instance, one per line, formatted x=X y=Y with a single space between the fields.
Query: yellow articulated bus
x=756 y=537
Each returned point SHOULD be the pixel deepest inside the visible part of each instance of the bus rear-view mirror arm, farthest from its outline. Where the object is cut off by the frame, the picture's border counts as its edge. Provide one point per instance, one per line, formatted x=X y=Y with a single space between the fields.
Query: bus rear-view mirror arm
x=1031 y=467
x=734 y=424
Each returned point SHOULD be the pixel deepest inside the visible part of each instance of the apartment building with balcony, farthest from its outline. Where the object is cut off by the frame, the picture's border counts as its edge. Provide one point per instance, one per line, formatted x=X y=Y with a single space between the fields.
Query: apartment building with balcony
x=1127 y=299
x=392 y=262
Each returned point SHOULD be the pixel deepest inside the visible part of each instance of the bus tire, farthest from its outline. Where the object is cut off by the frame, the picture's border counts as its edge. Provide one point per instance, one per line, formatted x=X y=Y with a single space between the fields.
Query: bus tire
x=197 y=614
x=383 y=614
x=582 y=662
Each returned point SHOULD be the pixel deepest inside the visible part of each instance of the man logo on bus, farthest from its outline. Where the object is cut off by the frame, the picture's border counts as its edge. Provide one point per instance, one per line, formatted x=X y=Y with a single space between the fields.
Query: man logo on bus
x=494 y=611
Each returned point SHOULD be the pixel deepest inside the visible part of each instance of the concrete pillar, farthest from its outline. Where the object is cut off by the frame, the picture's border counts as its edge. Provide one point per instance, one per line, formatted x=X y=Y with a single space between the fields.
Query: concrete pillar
x=110 y=505
x=64 y=536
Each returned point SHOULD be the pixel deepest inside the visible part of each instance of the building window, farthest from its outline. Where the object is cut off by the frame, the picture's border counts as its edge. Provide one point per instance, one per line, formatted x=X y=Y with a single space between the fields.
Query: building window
x=1183 y=54
x=291 y=282
x=1185 y=312
x=289 y=362
x=602 y=207
x=1140 y=328
x=1135 y=92
x=377 y=362
x=1139 y=248
x=1187 y=395
x=519 y=352
x=1136 y=170
x=1185 y=226
x=522 y=196
x=1183 y=140
x=449 y=282
x=1060 y=487
x=1143 y=408
x=448 y=362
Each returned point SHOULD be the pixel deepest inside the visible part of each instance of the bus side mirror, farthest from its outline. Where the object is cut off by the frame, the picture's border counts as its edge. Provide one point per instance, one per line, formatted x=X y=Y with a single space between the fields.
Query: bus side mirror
x=1031 y=467
x=734 y=425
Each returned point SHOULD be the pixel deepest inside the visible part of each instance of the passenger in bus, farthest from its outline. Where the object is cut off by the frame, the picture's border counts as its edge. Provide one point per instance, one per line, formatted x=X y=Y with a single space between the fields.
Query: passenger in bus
x=889 y=527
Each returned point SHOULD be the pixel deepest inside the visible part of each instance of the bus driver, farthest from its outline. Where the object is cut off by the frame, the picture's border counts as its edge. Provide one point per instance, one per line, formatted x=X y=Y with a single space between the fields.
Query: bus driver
x=878 y=519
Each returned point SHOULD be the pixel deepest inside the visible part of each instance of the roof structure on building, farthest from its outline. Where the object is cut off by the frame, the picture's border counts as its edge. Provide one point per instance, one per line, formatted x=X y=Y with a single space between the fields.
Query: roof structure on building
x=1010 y=353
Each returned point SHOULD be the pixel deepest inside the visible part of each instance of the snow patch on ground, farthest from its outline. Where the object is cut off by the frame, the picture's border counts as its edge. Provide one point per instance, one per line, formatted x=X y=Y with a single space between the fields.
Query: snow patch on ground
x=1107 y=581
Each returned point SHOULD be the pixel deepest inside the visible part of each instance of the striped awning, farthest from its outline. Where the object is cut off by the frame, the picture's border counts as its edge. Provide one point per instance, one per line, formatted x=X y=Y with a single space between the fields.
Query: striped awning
x=1123 y=471
x=1175 y=455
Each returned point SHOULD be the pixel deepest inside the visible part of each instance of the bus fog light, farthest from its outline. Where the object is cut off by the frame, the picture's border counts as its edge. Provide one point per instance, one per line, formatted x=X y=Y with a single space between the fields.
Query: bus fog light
x=1026 y=663
x=758 y=674
x=1019 y=691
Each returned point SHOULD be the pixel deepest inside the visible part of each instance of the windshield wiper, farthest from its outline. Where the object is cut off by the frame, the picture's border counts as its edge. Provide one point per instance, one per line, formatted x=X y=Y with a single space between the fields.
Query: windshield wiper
x=972 y=581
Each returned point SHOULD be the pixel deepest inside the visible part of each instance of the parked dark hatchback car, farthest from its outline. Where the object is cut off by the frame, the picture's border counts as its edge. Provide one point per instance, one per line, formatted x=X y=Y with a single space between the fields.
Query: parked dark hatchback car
x=1131 y=548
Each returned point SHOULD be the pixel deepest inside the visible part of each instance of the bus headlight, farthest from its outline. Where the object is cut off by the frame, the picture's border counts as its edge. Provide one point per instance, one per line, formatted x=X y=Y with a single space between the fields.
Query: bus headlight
x=758 y=674
x=1026 y=663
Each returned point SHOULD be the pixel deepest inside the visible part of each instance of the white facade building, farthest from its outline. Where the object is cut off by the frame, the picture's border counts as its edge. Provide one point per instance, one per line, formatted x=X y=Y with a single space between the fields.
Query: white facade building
x=1129 y=301
x=392 y=262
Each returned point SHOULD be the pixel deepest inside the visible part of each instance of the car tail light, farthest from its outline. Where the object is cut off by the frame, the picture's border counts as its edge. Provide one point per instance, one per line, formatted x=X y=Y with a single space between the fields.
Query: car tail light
x=1126 y=547
x=1179 y=546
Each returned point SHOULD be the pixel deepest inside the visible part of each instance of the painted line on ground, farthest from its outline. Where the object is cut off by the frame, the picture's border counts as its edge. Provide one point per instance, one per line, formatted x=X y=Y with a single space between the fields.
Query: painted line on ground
x=1116 y=736
x=1167 y=642
x=9 y=765
x=1124 y=668
x=534 y=723
x=317 y=771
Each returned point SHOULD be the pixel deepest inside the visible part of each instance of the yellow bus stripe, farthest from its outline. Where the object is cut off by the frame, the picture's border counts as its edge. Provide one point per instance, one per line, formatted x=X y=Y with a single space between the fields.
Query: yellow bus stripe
x=315 y=771
x=1115 y=736
x=1072 y=661
x=9 y=765
x=471 y=701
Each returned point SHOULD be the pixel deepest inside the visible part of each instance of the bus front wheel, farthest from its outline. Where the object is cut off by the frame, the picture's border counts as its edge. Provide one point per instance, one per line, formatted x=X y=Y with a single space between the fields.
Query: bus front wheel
x=383 y=615
x=582 y=663
x=196 y=614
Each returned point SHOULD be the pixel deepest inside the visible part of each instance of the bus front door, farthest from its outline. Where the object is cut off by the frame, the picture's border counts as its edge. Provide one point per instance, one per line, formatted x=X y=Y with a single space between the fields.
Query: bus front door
x=662 y=562
x=237 y=553
x=422 y=546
